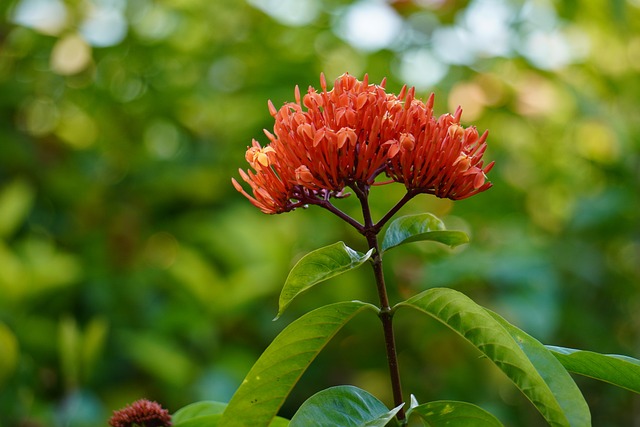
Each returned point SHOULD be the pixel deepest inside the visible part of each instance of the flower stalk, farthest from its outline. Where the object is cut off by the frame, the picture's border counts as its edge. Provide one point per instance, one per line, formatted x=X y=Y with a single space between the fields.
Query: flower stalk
x=386 y=317
x=370 y=232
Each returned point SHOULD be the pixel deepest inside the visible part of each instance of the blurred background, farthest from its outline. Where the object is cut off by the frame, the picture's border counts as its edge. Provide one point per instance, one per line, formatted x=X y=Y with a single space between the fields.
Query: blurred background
x=130 y=267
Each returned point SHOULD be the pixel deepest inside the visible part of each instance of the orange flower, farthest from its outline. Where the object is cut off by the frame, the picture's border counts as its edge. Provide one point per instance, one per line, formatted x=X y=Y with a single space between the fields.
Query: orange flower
x=437 y=156
x=315 y=154
x=271 y=193
x=349 y=135
x=337 y=141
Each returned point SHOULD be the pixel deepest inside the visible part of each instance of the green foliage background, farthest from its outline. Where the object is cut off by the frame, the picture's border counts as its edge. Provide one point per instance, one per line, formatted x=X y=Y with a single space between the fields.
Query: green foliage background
x=130 y=267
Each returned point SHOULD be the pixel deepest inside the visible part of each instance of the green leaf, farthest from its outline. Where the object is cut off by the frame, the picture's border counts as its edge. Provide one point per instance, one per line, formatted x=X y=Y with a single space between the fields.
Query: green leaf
x=203 y=421
x=279 y=422
x=622 y=371
x=414 y=228
x=345 y=406
x=317 y=266
x=272 y=377
x=69 y=340
x=93 y=343
x=450 y=413
x=208 y=414
x=199 y=414
x=477 y=326
x=554 y=374
x=9 y=352
x=160 y=358
x=197 y=410
x=16 y=200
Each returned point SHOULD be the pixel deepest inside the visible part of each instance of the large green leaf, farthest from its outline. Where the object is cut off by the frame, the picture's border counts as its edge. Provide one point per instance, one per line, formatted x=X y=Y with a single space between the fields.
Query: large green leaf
x=554 y=374
x=477 y=326
x=623 y=371
x=414 y=228
x=318 y=266
x=451 y=413
x=208 y=414
x=272 y=377
x=345 y=406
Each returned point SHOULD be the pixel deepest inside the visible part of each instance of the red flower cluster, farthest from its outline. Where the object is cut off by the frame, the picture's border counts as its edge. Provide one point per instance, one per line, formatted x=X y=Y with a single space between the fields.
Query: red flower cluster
x=141 y=413
x=437 y=157
x=351 y=134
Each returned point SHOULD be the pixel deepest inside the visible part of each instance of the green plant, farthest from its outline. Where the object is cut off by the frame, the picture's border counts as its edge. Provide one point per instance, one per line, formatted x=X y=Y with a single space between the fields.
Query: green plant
x=346 y=140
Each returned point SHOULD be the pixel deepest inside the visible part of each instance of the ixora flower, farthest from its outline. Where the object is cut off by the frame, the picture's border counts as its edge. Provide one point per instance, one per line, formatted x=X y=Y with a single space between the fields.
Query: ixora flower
x=332 y=140
x=141 y=413
x=438 y=157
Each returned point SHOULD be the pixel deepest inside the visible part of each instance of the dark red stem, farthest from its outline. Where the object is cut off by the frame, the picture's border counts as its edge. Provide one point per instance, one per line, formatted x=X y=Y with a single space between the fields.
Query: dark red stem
x=370 y=232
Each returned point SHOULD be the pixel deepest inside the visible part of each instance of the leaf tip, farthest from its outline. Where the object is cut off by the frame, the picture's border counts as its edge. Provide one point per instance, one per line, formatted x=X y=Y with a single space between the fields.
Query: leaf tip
x=414 y=402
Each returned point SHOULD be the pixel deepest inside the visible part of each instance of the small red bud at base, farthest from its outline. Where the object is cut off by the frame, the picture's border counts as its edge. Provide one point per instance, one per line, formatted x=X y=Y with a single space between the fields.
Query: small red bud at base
x=141 y=413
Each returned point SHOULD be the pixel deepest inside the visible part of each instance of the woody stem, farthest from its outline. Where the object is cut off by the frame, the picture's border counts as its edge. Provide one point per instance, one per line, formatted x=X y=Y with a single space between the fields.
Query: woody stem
x=370 y=232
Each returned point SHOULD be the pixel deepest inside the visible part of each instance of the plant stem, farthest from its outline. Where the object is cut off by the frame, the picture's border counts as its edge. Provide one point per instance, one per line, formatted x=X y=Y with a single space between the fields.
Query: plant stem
x=386 y=317
x=370 y=232
x=410 y=194
x=340 y=214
